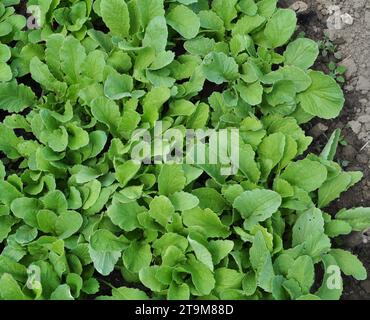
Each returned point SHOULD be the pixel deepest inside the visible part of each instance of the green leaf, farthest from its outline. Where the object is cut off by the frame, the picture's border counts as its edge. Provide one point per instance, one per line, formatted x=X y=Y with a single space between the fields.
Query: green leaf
x=124 y=215
x=156 y=34
x=8 y=193
x=9 y=142
x=161 y=210
x=137 y=256
x=5 y=72
x=303 y=272
x=210 y=198
x=266 y=8
x=41 y=74
x=324 y=98
x=63 y=292
x=5 y=53
x=46 y=220
x=183 y=201
x=6 y=223
x=201 y=252
x=280 y=27
x=357 y=218
x=301 y=53
x=72 y=55
x=308 y=225
x=335 y=228
x=9 y=266
x=9 y=288
x=107 y=112
x=104 y=261
x=257 y=205
x=306 y=174
x=125 y=293
x=148 y=278
x=171 y=179
x=200 y=46
x=220 y=249
x=251 y=93
x=25 y=234
x=219 y=68
x=332 y=188
x=330 y=149
x=184 y=21
x=206 y=221
x=116 y=16
x=201 y=276
x=225 y=9
x=104 y=240
x=300 y=81
x=260 y=259
x=178 y=292
x=118 y=86
x=67 y=224
x=349 y=264
x=149 y=9
x=332 y=283
x=127 y=171
x=55 y=201
x=15 y=98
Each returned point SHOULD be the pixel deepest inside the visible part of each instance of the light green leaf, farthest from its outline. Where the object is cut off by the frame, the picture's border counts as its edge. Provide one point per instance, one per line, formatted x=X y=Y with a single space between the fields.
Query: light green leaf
x=67 y=224
x=251 y=93
x=280 y=27
x=201 y=276
x=124 y=215
x=107 y=112
x=257 y=205
x=201 y=252
x=156 y=34
x=161 y=210
x=10 y=289
x=125 y=293
x=178 y=292
x=219 y=68
x=184 y=21
x=206 y=221
x=116 y=16
x=15 y=98
x=72 y=55
x=118 y=86
x=324 y=98
x=301 y=53
x=358 y=218
x=303 y=272
x=306 y=174
x=137 y=256
x=183 y=201
x=127 y=171
x=349 y=264
x=171 y=179
x=5 y=72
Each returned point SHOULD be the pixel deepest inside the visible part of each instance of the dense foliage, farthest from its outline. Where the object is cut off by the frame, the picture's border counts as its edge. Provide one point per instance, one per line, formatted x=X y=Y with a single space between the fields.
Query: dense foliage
x=74 y=208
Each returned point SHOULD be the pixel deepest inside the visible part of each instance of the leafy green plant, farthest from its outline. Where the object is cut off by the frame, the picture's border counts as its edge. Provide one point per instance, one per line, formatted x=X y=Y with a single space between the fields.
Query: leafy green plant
x=75 y=207
x=327 y=47
x=337 y=72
